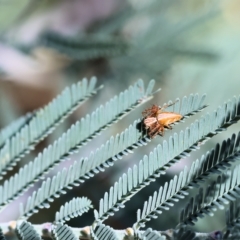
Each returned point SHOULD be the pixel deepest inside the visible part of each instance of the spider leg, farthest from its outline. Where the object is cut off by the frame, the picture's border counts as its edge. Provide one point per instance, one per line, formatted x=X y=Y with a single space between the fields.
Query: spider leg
x=168 y=126
x=161 y=133
x=155 y=130
x=161 y=130
x=152 y=127
x=168 y=105
x=153 y=134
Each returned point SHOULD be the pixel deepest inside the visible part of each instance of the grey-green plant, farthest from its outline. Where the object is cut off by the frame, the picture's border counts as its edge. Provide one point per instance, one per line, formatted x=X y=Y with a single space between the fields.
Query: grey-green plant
x=209 y=196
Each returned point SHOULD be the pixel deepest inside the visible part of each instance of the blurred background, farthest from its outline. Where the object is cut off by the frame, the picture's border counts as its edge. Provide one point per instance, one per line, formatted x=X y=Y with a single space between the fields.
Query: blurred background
x=186 y=46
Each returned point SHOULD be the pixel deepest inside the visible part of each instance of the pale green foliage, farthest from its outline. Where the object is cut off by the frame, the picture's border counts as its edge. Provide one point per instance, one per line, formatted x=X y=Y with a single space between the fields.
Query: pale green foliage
x=113 y=110
x=14 y=127
x=158 y=161
x=43 y=123
x=152 y=166
x=221 y=192
x=176 y=189
x=26 y=231
x=63 y=232
x=103 y=232
x=150 y=234
x=76 y=207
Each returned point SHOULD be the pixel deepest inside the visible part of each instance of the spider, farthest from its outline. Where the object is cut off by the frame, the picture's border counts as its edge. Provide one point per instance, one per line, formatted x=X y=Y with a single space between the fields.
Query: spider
x=155 y=119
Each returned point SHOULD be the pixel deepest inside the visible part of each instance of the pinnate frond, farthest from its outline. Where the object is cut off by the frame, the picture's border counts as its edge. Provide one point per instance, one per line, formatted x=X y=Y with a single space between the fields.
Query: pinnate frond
x=184 y=234
x=177 y=187
x=159 y=160
x=85 y=48
x=103 y=232
x=125 y=142
x=180 y=145
x=164 y=156
x=217 y=160
x=188 y=105
x=63 y=232
x=26 y=231
x=113 y=110
x=120 y=145
x=14 y=127
x=219 y=193
x=150 y=234
x=88 y=167
x=74 y=208
x=43 y=123
x=163 y=199
x=78 y=134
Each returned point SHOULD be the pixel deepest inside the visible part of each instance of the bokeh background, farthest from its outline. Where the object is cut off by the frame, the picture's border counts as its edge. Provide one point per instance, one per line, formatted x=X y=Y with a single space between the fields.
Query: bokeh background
x=186 y=46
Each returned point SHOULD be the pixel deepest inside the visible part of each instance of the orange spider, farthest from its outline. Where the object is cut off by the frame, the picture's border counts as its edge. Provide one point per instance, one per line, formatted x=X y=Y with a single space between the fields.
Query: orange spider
x=155 y=119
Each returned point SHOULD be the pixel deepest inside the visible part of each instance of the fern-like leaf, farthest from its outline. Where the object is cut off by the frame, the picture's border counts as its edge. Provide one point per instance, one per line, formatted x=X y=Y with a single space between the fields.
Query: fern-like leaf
x=26 y=231
x=79 y=133
x=76 y=207
x=188 y=105
x=184 y=234
x=199 y=132
x=43 y=123
x=10 y=130
x=218 y=194
x=164 y=156
x=215 y=161
x=188 y=179
x=149 y=234
x=118 y=146
x=157 y=162
x=116 y=109
x=162 y=200
x=63 y=232
x=85 y=48
x=124 y=143
x=103 y=232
